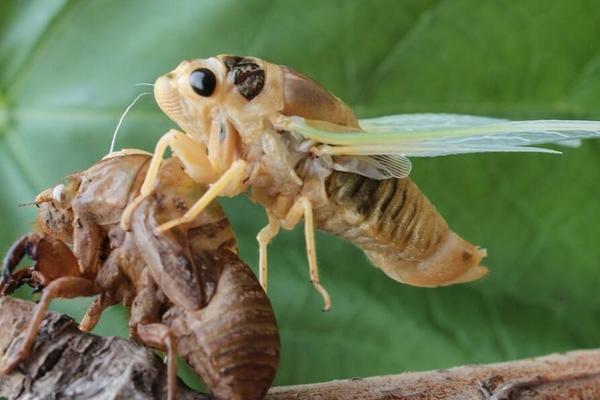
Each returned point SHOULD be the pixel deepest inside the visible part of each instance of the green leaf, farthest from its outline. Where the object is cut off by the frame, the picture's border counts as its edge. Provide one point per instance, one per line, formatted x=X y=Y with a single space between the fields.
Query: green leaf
x=68 y=71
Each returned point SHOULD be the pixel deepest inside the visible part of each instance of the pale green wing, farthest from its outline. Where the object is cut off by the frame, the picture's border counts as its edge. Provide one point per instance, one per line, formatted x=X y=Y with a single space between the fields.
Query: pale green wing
x=430 y=135
x=433 y=122
x=420 y=122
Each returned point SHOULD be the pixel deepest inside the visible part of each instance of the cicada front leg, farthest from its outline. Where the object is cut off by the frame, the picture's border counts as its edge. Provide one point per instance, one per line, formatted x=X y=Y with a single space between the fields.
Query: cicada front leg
x=192 y=154
x=230 y=171
x=56 y=269
x=302 y=207
x=233 y=177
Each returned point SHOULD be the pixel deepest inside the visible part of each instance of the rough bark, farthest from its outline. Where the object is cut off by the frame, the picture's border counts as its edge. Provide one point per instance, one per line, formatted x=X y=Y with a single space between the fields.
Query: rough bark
x=573 y=375
x=68 y=364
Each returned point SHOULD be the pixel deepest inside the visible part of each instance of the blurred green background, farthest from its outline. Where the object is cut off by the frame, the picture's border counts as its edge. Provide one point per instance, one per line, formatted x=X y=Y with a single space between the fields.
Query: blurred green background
x=68 y=69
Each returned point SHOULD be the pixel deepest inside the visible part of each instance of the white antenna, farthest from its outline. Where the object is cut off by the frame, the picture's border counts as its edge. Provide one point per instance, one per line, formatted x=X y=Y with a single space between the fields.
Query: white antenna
x=114 y=138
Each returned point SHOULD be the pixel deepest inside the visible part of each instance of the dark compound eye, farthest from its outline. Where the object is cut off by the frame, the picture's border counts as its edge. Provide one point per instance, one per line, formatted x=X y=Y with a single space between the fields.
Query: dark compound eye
x=203 y=81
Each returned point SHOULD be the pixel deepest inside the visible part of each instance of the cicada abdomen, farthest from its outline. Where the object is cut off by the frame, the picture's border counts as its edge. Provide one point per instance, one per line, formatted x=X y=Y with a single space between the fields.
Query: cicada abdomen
x=233 y=342
x=399 y=230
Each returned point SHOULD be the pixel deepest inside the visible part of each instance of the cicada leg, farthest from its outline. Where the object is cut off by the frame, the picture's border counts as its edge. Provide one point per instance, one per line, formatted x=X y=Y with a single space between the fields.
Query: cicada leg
x=159 y=336
x=234 y=176
x=53 y=258
x=192 y=154
x=95 y=310
x=66 y=287
x=264 y=237
x=109 y=275
x=302 y=207
x=22 y=277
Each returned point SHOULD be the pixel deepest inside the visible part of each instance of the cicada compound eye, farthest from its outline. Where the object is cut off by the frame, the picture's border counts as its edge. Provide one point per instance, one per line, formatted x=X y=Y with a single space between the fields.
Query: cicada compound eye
x=203 y=81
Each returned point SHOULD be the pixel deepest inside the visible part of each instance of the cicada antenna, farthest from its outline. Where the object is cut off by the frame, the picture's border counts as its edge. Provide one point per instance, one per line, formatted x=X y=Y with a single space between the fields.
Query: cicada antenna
x=114 y=137
x=33 y=203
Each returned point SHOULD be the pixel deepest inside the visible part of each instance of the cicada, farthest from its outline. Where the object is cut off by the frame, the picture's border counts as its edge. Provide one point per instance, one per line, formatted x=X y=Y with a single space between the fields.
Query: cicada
x=188 y=292
x=248 y=123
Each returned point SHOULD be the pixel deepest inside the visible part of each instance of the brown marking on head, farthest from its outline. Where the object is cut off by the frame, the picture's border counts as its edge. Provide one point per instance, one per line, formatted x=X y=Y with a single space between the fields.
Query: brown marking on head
x=248 y=76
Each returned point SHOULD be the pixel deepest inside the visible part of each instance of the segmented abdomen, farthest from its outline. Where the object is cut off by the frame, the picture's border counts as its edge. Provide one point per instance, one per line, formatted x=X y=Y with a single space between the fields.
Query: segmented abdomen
x=233 y=342
x=399 y=229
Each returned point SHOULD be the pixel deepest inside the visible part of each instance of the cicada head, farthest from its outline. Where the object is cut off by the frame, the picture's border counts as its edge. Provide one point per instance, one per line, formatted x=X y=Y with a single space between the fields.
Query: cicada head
x=199 y=92
x=56 y=212
x=245 y=91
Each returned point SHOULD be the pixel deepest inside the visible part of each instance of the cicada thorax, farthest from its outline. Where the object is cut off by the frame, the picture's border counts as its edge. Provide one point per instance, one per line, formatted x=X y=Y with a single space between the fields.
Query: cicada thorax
x=282 y=169
x=399 y=229
x=305 y=98
x=260 y=89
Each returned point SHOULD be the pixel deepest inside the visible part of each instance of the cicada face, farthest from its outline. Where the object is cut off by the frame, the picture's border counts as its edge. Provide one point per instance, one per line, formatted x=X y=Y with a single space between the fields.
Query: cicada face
x=56 y=213
x=199 y=92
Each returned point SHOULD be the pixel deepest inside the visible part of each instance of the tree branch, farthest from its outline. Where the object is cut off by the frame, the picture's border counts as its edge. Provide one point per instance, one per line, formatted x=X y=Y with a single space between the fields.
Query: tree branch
x=67 y=363
x=573 y=375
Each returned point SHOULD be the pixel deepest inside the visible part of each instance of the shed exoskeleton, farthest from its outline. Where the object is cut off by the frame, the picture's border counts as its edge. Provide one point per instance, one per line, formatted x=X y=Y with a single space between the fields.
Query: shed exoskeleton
x=187 y=290
x=251 y=123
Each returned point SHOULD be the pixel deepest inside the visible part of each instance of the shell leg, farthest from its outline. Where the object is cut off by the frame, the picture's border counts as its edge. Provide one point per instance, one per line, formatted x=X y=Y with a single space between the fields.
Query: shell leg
x=159 y=336
x=66 y=287
x=264 y=237
x=233 y=177
x=11 y=280
x=53 y=259
x=14 y=255
x=17 y=279
x=192 y=154
x=302 y=207
x=95 y=310
x=87 y=242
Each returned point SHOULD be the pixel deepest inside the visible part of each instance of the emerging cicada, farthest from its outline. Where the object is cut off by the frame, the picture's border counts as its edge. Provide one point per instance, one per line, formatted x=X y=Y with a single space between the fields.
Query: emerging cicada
x=250 y=123
x=188 y=291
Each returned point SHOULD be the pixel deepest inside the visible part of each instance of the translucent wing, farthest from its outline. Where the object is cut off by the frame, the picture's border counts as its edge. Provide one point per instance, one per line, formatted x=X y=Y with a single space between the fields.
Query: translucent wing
x=429 y=135
x=430 y=122
x=376 y=166
x=417 y=122
x=384 y=143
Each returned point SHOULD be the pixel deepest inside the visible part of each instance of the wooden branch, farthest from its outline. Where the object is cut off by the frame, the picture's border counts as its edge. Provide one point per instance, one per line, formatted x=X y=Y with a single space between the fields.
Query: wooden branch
x=67 y=363
x=567 y=376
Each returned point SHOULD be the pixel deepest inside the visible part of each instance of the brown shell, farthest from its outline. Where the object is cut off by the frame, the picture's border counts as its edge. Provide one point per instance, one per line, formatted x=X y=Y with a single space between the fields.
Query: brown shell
x=233 y=342
x=190 y=278
x=170 y=257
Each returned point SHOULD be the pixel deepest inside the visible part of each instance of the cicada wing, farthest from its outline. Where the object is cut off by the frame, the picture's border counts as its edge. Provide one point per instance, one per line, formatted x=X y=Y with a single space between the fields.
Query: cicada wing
x=431 y=135
x=570 y=143
x=424 y=121
x=538 y=132
x=376 y=166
